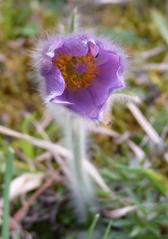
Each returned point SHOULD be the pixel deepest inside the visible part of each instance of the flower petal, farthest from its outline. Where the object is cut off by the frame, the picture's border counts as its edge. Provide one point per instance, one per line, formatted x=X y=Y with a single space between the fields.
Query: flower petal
x=93 y=48
x=82 y=102
x=56 y=100
x=54 y=83
x=75 y=45
x=53 y=45
x=102 y=57
x=108 y=80
x=110 y=73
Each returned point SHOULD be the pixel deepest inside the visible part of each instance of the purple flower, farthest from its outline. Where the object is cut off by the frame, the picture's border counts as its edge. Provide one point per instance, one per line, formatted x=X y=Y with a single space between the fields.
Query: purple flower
x=80 y=72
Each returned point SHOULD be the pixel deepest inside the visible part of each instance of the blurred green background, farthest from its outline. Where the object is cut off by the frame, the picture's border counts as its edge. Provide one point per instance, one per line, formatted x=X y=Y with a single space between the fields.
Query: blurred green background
x=133 y=160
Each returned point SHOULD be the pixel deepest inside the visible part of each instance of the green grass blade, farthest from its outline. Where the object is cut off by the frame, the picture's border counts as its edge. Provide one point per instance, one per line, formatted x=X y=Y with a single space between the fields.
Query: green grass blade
x=92 y=227
x=160 y=23
x=107 y=231
x=73 y=25
x=7 y=180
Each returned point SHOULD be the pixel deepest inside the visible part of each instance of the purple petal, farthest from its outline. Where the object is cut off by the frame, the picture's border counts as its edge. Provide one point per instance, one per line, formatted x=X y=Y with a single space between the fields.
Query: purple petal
x=61 y=99
x=53 y=45
x=75 y=45
x=102 y=57
x=46 y=67
x=108 y=80
x=93 y=48
x=54 y=83
x=81 y=102
x=56 y=100
x=110 y=72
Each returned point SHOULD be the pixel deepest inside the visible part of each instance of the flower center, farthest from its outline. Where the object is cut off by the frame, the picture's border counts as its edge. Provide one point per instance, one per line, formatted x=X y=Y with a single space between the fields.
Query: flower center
x=78 y=72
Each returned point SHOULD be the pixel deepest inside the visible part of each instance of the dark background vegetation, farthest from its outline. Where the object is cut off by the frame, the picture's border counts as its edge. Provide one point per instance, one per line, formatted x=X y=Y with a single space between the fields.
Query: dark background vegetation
x=132 y=161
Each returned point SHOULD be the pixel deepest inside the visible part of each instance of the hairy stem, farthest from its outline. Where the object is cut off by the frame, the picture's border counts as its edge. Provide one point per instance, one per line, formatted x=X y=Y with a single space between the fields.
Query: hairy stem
x=80 y=184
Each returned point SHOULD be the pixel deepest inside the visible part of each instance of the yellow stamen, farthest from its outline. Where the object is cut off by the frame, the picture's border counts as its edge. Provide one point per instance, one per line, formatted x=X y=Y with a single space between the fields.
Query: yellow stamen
x=74 y=78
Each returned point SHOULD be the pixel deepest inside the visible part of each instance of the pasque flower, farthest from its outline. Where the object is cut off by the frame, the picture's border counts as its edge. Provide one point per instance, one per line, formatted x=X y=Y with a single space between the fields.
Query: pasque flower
x=80 y=72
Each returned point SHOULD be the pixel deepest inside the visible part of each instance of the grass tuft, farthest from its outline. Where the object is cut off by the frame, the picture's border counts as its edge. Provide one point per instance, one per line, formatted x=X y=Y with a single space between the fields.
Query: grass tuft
x=7 y=180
